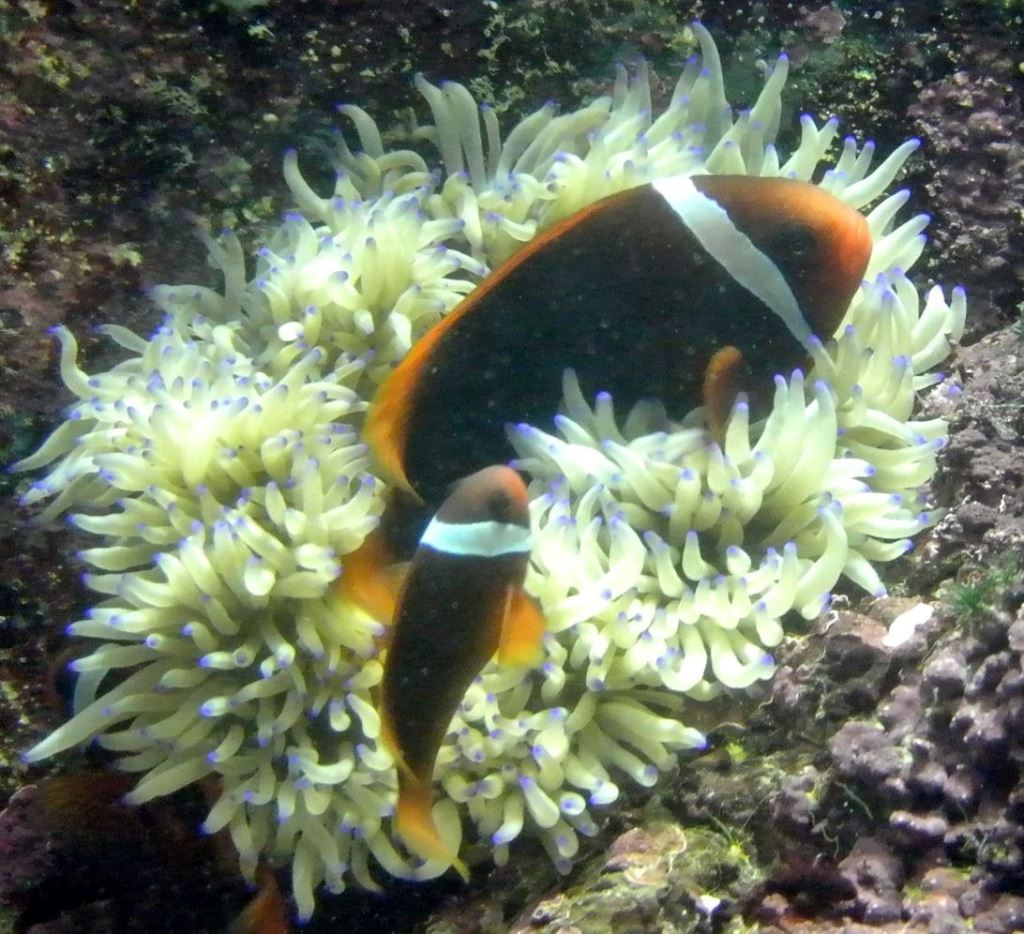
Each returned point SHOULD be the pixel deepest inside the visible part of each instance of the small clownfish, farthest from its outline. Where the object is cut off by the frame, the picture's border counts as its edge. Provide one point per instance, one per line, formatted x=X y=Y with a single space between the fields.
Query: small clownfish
x=687 y=289
x=462 y=601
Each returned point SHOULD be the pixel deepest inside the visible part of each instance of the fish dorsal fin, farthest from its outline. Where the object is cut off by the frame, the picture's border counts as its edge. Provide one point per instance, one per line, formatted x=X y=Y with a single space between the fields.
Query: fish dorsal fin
x=522 y=630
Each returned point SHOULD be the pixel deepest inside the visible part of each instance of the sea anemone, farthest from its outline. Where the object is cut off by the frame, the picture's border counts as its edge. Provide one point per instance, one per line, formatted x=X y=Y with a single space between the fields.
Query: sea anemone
x=221 y=469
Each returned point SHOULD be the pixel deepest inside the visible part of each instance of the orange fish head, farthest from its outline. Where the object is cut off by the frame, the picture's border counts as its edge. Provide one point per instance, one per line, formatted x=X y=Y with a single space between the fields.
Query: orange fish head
x=495 y=493
x=821 y=245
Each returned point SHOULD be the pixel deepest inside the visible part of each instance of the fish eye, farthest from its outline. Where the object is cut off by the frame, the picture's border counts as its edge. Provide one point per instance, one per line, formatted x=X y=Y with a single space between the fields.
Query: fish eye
x=499 y=505
x=795 y=242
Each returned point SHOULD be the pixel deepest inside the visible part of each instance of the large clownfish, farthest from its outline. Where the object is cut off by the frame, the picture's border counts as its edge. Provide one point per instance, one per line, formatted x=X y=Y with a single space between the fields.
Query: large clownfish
x=685 y=289
x=462 y=601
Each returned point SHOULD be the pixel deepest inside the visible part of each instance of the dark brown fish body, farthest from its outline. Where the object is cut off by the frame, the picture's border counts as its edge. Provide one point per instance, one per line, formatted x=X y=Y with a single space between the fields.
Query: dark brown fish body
x=440 y=645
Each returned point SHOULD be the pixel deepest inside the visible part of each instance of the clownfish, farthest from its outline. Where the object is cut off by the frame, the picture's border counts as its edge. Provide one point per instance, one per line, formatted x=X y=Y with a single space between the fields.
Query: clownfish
x=687 y=289
x=462 y=601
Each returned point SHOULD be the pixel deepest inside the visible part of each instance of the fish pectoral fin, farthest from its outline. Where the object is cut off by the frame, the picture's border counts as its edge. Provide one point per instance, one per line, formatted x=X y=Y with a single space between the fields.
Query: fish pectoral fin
x=386 y=600
x=522 y=630
x=371 y=579
x=414 y=823
x=721 y=384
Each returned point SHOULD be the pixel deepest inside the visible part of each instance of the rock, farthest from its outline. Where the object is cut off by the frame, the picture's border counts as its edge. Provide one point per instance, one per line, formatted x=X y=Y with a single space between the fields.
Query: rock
x=917 y=829
x=945 y=676
x=865 y=753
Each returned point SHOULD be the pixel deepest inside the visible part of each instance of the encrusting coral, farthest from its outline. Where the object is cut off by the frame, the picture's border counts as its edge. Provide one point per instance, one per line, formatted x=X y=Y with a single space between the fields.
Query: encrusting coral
x=220 y=467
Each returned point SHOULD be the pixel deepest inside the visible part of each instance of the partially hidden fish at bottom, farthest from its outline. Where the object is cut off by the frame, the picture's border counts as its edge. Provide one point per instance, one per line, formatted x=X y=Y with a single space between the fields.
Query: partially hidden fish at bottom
x=462 y=601
x=686 y=290
x=85 y=824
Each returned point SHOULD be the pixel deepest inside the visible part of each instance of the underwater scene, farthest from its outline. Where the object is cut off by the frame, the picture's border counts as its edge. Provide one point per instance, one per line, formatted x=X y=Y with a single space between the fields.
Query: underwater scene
x=546 y=465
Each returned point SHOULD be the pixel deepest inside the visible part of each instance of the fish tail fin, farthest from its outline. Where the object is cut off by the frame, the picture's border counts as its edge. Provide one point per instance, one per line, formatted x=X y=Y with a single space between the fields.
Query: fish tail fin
x=522 y=632
x=414 y=823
